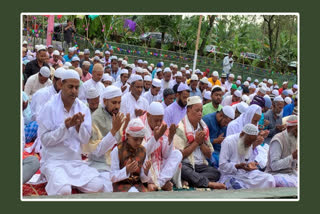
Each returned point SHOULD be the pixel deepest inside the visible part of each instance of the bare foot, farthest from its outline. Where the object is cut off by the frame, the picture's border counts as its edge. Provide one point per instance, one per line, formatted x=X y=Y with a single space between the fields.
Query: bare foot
x=168 y=186
x=185 y=183
x=152 y=187
x=215 y=185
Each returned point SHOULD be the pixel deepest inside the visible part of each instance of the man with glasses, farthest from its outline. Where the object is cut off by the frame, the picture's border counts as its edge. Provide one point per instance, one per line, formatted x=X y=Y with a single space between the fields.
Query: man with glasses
x=217 y=123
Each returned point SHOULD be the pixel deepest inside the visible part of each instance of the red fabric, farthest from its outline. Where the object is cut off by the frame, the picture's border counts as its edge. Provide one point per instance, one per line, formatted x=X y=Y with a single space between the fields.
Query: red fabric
x=26 y=154
x=39 y=189
x=59 y=16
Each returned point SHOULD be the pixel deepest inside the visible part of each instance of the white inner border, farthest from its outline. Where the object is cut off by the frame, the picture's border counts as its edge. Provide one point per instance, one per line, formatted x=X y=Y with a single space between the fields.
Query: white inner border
x=163 y=13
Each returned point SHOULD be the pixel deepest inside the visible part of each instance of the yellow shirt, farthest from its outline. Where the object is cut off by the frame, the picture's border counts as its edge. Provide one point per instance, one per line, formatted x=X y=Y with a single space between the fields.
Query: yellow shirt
x=214 y=83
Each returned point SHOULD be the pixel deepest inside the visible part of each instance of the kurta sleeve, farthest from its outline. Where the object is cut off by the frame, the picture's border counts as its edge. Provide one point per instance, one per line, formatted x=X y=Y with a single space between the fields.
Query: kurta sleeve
x=225 y=164
x=225 y=61
x=28 y=87
x=105 y=145
x=145 y=178
x=85 y=129
x=276 y=163
x=167 y=117
x=151 y=146
x=166 y=148
x=52 y=138
x=117 y=174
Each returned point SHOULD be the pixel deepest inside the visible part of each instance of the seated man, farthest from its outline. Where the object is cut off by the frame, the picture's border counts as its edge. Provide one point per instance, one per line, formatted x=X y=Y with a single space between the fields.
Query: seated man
x=159 y=147
x=130 y=156
x=283 y=155
x=93 y=99
x=65 y=124
x=192 y=139
x=237 y=165
x=217 y=123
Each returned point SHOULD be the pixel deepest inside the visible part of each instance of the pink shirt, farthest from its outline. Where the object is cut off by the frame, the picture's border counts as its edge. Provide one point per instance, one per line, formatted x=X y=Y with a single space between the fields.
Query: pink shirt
x=87 y=77
x=52 y=62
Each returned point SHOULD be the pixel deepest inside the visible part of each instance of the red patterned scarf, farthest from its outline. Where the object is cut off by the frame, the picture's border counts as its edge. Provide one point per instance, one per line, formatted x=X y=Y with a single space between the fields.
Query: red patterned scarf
x=190 y=134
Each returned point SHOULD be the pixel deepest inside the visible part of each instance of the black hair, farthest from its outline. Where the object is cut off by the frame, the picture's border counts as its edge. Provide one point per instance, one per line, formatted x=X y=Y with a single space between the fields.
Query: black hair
x=245 y=90
x=114 y=60
x=167 y=92
x=230 y=52
x=216 y=90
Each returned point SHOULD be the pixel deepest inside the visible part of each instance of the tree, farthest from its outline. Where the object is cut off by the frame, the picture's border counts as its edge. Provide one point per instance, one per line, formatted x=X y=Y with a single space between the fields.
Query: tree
x=206 y=35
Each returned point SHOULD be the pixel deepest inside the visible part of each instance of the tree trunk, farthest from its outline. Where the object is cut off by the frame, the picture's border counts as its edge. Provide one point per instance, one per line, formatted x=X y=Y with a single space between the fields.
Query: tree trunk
x=162 y=39
x=205 y=38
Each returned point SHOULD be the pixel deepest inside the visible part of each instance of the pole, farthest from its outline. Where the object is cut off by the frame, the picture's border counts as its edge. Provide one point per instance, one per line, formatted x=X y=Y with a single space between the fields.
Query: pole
x=197 y=43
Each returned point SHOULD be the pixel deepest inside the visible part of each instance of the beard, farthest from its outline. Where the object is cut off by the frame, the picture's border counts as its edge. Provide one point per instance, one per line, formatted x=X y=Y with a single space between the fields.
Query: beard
x=242 y=149
x=292 y=140
x=181 y=104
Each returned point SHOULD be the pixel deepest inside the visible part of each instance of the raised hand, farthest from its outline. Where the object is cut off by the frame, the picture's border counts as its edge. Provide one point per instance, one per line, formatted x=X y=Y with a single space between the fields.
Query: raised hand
x=139 y=112
x=131 y=166
x=126 y=122
x=172 y=132
x=219 y=139
x=147 y=166
x=200 y=136
x=158 y=132
x=252 y=166
x=117 y=121
x=123 y=88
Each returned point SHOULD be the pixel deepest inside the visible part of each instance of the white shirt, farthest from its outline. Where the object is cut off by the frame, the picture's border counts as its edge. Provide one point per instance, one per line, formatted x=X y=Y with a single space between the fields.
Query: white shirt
x=129 y=104
x=93 y=84
x=227 y=101
x=150 y=98
x=227 y=85
x=226 y=64
x=120 y=84
x=32 y=85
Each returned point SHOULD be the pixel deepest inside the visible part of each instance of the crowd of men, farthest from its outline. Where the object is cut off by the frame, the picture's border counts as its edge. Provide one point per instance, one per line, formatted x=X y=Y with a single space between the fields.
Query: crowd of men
x=101 y=124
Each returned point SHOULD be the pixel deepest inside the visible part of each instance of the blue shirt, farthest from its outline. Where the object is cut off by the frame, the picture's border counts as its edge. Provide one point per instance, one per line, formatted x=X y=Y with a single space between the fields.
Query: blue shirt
x=195 y=93
x=115 y=75
x=154 y=72
x=67 y=59
x=27 y=114
x=214 y=129
x=287 y=110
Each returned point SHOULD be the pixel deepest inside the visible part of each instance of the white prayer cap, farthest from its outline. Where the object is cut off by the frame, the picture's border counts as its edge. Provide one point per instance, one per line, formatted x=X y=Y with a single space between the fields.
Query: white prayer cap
x=162 y=64
x=252 y=86
x=156 y=83
x=239 y=77
x=275 y=92
x=245 y=98
x=75 y=58
x=242 y=107
x=86 y=63
x=56 y=53
x=290 y=92
x=113 y=57
x=193 y=100
x=25 y=43
x=276 y=87
x=149 y=67
x=167 y=70
x=268 y=89
x=204 y=80
x=284 y=83
x=249 y=79
x=136 y=78
x=145 y=62
x=107 y=77
x=216 y=86
x=287 y=100
x=50 y=46
x=250 y=129
x=209 y=85
x=175 y=66
x=96 y=58
x=178 y=74
x=256 y=80
x=59 y=72
x=278 y=99
x=86 y=51
x=107 y=52
x=171 y=64
x=70 y=49
x=231 y=75
x=194 y=77
x=120 y=59
x=111 y=92
x=67 y=65
x=147 y=78
x=215 y=74
x=263 y=89
x=45 y=71
x=207 y=95
x=70 y=74
x=183 y=87
x=237 y=93
x=158 y=70
x=139 y=70
x=182 y=69
x=92 y=93
x=246 y=83
x=292 y=120
x=228 y=111
x=187 y=66
x=187 y=72
x=140 y=61
x=124 y=71
x=152 y=65
x=264 y=80
x=97 y=52
x=41 y=47
x=295 y=86
x=136 y=128
x=124 y=62
x=156 y=108
x=270 y=81
x=238 y=82
x=198 y=72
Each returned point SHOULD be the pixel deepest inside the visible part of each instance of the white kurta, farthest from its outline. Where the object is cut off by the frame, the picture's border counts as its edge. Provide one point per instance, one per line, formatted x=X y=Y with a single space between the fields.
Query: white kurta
x=129 y=104
x=226 y=64
x=32 y=85
x=262 y=157
x=238 y=178
x=61 y=161
x=228 y=85
x=164 y=164
x=150 y=98
x=120 y=84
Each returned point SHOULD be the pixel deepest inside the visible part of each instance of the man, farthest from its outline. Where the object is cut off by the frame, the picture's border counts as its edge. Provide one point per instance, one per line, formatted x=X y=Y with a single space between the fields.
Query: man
x=93 y=99
x=65 y=124
x=75 y=61
x=159 y=74
x=284 y=87
x=37 y=81
x=252 y=115
x=122 y=84
x=237 y=165
x=229 y=83
x=159 y=148
x=203 y=84
x=166 y=81
x=168 y=97
x=153 y=94
x=206 y=98
x=217 y=123
x=178 y=79
x=68 y=58
x=192 y=139
x=274 y=116
x=132 y=102
x=214 y=80
x=174 y=113
x=34 y=66
x=95 y=81
x=194 y=90
x=107 y=80
x=147 y=82
x=223 y=80
x=107 y=58
x=86 y=57
x=288 y=109
x=69 y=30
x=55 y=62
x=215 y=104
x=85 y=71
x=232 y=99
x=115 y=71
x=283 y=155
x=228 y=63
